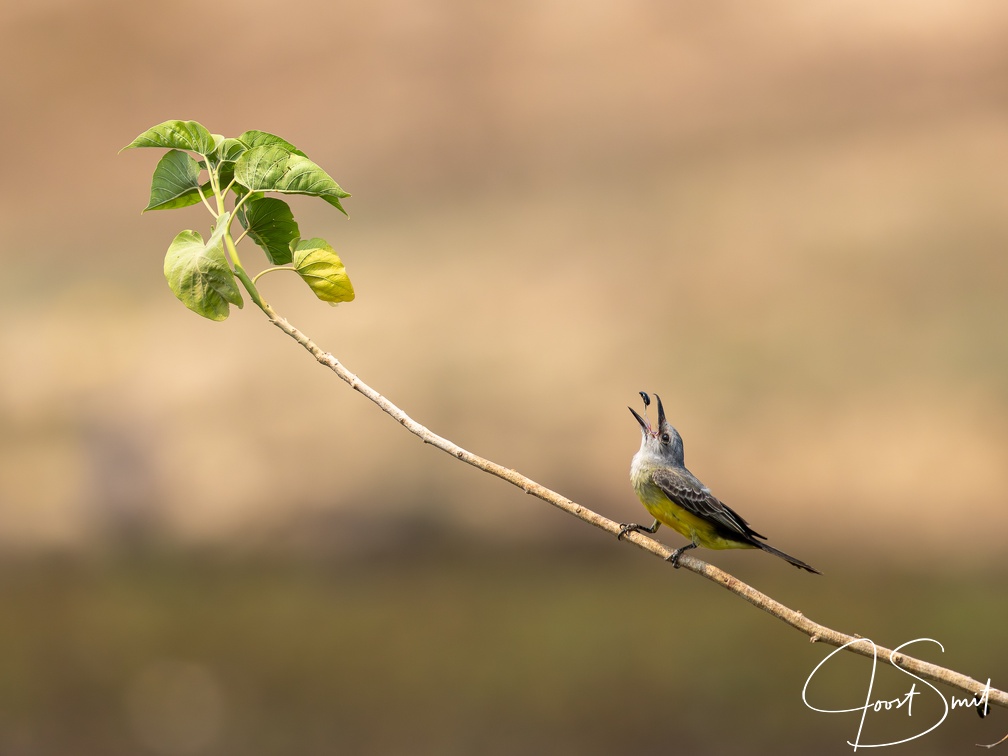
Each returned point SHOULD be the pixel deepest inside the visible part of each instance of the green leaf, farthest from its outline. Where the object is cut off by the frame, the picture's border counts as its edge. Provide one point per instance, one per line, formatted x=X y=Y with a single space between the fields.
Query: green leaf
x=272 y=168
x=224 y=155
x=261 y=168
x=319 y=265
x=199 y=275
x=230 y=150
x=178 y=135
x=253 y=139
x=175 y=180
x=304 y=177
x=271 y=225
x=227 y=151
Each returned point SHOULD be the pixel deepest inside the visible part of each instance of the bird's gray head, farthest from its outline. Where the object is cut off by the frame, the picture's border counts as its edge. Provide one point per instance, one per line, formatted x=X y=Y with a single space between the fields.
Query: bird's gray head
x=663 y=441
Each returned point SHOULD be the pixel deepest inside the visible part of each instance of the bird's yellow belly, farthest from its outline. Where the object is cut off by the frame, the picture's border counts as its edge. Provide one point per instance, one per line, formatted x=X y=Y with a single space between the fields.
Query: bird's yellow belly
x=696 y=529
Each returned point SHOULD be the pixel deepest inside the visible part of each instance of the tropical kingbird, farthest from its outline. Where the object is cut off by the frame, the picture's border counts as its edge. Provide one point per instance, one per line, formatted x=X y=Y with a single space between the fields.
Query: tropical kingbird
x=674 y=496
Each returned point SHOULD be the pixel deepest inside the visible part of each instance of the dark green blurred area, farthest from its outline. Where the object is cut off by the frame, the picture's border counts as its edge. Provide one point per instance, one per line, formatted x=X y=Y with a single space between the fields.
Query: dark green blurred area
x=440 y=651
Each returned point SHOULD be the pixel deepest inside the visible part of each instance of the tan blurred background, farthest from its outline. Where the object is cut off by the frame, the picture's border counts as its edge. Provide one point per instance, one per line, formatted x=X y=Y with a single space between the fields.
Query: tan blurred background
x=788 y=219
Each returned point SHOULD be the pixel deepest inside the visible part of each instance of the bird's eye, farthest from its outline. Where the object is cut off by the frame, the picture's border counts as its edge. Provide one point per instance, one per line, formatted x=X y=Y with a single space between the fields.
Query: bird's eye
x=665 y=438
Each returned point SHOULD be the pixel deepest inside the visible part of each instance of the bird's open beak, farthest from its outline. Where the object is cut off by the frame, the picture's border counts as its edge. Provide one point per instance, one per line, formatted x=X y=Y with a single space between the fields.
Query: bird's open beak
x=643 y=423
x=661 y=412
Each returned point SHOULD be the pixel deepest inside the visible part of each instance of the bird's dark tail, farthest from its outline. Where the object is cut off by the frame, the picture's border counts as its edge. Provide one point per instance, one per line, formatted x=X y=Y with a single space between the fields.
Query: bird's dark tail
x=787 y=558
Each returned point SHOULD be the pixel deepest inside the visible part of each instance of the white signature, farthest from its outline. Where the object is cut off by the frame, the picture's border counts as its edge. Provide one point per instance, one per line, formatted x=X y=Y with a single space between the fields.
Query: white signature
x=905 y=701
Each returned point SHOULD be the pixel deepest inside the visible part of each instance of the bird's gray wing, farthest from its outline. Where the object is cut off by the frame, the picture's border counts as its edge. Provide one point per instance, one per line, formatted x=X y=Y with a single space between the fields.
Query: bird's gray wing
x=683 y=488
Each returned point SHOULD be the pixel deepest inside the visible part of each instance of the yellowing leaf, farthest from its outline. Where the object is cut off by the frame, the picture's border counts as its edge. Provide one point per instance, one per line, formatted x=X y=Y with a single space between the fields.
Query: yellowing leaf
x=321 y=268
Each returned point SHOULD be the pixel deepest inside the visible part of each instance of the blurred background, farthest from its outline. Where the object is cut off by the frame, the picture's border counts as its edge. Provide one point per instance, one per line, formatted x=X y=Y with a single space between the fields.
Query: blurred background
x=788 y=219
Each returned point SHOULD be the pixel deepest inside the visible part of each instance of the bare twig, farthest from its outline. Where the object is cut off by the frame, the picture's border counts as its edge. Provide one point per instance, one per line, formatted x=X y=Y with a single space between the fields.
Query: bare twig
x=797 y=620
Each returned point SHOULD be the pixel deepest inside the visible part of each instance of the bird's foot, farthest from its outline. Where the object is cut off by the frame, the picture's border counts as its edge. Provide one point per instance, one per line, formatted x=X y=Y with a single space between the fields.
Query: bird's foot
x=633 y=527
x=673 y=558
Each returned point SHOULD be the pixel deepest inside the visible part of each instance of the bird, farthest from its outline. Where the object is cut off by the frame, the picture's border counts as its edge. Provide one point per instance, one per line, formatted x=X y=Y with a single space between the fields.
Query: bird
x=675 y=497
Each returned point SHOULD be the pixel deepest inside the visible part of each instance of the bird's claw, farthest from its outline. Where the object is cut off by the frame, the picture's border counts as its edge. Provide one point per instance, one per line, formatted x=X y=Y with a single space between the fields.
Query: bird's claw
x=627 y=527
x=673 y=558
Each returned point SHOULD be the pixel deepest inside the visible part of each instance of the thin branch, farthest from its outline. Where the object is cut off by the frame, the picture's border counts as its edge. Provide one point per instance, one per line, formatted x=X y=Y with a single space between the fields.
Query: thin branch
x=797 y=620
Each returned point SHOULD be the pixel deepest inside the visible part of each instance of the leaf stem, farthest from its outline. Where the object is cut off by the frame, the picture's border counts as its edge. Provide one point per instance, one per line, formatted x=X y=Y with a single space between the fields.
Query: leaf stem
x=250 y=287
x=240 y=201
x=230 y=246
x=270 y=270
x=215 y=185
x=199 y=191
